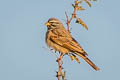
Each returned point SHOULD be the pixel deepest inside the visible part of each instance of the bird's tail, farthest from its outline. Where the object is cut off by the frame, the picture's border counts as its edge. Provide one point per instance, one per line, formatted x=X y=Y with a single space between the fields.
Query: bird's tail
x=88 y=61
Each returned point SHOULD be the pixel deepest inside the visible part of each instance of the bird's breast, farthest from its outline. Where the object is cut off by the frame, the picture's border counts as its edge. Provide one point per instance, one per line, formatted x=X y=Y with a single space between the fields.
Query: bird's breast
x=54 y=44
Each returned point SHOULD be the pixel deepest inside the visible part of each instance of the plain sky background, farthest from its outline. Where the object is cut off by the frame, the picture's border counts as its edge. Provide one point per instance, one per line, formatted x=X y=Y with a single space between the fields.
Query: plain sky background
x=22 y=38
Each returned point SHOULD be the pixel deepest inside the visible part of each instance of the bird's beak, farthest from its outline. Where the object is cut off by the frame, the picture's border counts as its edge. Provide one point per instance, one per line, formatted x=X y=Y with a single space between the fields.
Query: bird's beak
x=47 y=24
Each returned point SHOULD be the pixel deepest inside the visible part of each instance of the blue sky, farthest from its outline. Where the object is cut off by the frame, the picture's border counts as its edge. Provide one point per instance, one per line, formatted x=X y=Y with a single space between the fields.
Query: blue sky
x=22 y=38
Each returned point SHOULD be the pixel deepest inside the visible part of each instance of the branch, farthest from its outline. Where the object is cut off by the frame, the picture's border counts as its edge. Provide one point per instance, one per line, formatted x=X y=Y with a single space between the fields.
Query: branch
x=77 y=7
x=60 y=73
x=73 y=14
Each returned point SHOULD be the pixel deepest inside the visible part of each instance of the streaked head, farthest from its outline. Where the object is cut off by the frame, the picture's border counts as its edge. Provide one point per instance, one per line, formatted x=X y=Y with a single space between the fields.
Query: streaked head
x=53 y=23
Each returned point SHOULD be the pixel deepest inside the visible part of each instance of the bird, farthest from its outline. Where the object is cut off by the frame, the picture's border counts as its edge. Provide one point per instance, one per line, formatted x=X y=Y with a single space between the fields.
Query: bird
x=61 y=40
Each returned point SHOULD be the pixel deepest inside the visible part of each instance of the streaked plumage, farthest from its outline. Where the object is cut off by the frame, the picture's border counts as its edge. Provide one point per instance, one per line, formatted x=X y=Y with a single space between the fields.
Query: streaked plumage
x=58 y=38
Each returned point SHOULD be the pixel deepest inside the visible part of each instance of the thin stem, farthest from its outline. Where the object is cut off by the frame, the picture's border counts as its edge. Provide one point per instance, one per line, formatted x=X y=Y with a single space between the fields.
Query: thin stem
x=73 y=16
x=59 y=73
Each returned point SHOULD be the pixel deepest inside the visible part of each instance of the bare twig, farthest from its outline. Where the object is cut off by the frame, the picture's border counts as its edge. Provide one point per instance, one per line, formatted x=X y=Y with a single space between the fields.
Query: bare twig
x=59 y=73
x=67 y=21
x=73 y=14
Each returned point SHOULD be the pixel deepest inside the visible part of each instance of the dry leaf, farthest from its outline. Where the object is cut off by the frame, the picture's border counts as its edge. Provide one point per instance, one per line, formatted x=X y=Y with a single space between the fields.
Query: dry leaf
x=82 y=23
x=80 y=2
x=89 y=4
x=77 y=59
x=74 y=57
x=77 y=2
x=73 y=5
x=64 y=75
x=80 y=8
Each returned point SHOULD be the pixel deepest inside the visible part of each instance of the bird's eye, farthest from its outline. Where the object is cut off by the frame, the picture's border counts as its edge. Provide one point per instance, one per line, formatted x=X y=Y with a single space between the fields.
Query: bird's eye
x=54 y=23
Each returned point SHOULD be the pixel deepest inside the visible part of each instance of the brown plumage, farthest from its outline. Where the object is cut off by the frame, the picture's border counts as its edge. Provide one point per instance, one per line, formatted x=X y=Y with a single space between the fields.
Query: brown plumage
x=58 y=38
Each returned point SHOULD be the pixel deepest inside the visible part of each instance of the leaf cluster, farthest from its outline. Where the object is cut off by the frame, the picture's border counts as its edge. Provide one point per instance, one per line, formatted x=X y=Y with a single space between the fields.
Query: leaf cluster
x=78 y=7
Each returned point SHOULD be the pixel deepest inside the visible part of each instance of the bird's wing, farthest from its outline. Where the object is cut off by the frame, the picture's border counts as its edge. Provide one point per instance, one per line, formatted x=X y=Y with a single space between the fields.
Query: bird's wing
x=64 y=39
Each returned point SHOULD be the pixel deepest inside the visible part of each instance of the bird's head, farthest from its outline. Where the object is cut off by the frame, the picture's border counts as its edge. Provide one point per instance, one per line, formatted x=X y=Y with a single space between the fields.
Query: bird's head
x=53 y=23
